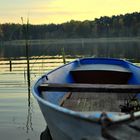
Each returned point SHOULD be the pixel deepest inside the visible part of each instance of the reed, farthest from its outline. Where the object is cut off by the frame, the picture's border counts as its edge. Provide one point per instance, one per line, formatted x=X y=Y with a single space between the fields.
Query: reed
x=26 y=37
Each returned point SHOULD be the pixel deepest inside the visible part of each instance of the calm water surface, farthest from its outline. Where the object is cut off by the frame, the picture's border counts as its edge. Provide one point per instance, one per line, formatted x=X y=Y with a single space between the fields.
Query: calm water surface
x=20 y=118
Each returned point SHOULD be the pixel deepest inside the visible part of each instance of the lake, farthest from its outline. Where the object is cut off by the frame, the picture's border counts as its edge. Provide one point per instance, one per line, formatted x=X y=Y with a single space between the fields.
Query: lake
x=125 y=47
x=20 y=116
x=18 y=119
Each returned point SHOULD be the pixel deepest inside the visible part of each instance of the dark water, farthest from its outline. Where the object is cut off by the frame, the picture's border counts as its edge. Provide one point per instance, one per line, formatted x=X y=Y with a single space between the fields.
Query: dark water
x=20 y=117
x=100 y=47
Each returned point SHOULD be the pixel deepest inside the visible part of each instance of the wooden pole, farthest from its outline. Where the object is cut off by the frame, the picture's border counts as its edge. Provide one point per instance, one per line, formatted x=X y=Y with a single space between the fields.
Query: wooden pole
x=28 y=63
x=63 y=55
x=26 y=34
x=10 y=62
x=27 y=55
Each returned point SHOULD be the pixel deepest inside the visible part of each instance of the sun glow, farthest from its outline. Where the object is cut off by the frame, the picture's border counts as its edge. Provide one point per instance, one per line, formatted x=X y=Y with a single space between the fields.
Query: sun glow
x=58 y=11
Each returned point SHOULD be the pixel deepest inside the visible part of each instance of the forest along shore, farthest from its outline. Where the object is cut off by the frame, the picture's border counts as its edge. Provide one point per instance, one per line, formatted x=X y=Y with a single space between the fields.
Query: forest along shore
x=124 y=48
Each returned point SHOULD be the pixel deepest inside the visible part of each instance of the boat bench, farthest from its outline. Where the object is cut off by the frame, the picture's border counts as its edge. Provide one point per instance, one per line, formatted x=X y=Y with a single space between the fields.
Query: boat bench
x=101 y=74
x=75 y=87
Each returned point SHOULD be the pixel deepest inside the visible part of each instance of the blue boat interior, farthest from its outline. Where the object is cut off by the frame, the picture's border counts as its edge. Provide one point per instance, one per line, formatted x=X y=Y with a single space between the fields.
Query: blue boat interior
x=92 y=71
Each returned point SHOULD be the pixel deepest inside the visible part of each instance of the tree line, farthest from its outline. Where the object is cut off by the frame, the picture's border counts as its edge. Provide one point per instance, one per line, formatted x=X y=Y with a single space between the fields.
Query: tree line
x=127 y=25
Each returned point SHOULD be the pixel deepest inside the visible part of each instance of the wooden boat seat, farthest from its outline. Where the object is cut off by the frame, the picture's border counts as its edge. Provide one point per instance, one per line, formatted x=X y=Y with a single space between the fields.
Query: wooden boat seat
x=100 y=88
x=101 y=74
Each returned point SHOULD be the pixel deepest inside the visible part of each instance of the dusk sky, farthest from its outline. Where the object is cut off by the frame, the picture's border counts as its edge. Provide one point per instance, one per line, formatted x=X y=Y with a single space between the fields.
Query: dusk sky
x=59 y=11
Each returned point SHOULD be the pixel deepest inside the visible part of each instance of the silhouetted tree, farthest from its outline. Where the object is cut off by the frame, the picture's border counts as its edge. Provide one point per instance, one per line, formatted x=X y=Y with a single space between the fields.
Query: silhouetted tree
x=116 y=26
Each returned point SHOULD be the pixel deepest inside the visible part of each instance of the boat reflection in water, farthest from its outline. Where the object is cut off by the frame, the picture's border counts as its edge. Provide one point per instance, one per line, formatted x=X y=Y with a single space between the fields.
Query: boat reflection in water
x=45 y=135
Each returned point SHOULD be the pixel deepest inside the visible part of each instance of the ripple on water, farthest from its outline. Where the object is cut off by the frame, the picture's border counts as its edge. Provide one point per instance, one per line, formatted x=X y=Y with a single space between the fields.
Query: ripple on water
x=18 y=119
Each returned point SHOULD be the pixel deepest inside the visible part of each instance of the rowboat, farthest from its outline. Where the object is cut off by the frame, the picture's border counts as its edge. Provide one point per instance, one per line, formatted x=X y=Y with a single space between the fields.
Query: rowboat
x=91 y=98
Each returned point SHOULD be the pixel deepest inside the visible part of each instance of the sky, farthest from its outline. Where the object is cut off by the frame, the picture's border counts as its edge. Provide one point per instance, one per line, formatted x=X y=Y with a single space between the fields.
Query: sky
x=59 y=11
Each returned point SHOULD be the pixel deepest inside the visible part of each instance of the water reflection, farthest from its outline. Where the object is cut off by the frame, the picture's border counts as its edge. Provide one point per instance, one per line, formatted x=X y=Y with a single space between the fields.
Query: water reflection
x=45 y=135
x=20 y=116
x=99 y=47
x=29 y=113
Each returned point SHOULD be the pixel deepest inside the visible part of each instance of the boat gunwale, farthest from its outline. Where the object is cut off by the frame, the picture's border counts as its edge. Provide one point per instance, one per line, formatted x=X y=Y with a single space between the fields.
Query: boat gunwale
x=114 y=59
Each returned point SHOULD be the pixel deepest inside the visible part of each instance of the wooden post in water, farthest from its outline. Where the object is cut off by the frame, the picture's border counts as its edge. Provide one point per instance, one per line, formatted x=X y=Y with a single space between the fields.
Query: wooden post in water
x=10 y=63
x=27 y=54
x=63 y=55
x=28 y=63
x=26 y=34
